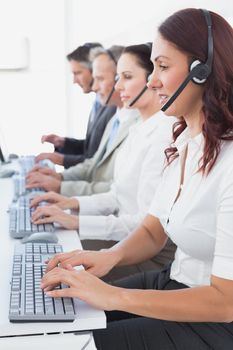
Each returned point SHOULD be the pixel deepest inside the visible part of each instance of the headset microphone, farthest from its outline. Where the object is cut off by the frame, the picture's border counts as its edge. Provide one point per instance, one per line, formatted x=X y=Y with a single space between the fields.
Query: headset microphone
x=138 y=96
x=110 y=95
x=106 y=103
x=140 y=93
x=199 y=71
x=112 y=91
x=91 y=83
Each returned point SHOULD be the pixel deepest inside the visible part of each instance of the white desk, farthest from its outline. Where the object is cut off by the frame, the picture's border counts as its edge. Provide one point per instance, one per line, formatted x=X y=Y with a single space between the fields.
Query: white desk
x=87 y=318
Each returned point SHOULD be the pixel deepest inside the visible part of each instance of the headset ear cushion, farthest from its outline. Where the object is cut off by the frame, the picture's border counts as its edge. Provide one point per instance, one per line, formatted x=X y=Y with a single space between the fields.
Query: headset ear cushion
x=200 y=70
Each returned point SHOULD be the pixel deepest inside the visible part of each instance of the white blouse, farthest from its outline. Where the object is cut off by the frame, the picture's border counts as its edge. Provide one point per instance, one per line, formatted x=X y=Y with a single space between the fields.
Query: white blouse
x=200 y=222
x=138 y=169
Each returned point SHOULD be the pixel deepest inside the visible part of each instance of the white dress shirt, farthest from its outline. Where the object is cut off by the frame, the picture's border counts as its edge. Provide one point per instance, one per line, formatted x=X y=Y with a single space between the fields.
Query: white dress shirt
x=200 y=222
x=138 y=169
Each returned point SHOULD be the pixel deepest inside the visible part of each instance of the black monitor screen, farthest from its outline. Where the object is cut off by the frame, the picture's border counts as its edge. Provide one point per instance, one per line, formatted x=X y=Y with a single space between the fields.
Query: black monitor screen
x=2 y=159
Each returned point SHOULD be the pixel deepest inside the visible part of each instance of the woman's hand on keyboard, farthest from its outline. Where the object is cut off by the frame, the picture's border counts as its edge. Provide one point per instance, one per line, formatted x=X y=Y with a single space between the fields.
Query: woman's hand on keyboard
x=84 y=286
x=60 y=201
x=51 y=214
x=99 y=263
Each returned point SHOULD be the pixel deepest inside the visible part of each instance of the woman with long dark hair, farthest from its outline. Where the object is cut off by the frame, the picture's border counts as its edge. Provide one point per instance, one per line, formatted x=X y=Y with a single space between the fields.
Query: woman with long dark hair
x=189 y=305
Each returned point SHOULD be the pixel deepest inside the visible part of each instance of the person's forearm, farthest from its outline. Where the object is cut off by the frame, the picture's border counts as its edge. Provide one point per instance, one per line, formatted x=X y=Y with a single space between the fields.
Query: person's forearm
x=139 y=245
x=72 y=160
x=73 y=204
x=202 y=304
x=73 y=146
x=71 y=222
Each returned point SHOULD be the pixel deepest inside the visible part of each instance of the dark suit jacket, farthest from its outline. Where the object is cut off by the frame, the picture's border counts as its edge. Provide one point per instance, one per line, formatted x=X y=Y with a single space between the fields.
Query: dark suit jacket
x=76 y=151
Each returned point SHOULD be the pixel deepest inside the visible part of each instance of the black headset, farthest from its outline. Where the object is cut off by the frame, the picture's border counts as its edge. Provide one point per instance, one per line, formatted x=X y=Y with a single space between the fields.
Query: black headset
x=199 y=71
x=141 y=92
x=112 y=91
x=111 y=55
x=149 y=44
x=109 y=96
x=138 y=96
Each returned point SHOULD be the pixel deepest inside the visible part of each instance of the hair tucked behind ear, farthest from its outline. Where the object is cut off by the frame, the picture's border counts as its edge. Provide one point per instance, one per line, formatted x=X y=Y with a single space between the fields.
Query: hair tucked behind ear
x=142 y=53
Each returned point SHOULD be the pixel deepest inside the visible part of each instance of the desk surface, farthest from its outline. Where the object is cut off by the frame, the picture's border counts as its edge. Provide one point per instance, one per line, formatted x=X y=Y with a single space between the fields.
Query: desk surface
x=88 y=317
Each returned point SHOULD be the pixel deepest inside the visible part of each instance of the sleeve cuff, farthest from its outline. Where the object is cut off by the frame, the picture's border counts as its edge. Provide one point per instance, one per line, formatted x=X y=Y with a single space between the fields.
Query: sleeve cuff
x=92 y=227
x=86 y=206
x=64 y=175
x=67 y=188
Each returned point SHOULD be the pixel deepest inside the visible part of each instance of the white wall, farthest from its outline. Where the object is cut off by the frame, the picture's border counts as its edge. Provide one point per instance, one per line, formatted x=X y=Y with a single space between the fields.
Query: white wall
x=42 y=98
x=33 y=101
x=127 y=19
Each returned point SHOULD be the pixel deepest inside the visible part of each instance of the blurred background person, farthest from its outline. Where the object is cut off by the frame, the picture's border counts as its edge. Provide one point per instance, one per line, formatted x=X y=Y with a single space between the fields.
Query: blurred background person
x=95 y=174
x=70 y=151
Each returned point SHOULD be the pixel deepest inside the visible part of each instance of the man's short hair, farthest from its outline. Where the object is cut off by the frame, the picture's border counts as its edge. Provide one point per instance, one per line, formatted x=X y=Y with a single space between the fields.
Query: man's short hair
x=83 y=54
x=114 y=52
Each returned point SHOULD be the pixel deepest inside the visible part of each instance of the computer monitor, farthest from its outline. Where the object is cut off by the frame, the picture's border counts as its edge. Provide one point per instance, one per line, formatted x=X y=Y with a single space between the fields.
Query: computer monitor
x=2 y=159
x=4 y=154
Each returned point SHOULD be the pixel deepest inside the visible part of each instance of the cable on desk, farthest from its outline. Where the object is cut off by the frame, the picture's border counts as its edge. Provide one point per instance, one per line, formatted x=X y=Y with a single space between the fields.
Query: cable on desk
x=88 y=342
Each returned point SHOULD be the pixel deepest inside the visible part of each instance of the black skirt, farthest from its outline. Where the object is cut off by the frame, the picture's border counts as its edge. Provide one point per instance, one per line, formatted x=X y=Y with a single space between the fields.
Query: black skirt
x=126 y=331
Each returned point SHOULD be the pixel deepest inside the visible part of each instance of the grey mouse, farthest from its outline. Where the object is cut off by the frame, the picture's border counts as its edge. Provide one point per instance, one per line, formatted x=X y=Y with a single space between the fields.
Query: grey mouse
x=13 y=156
x=6 y=173
x=40 y=237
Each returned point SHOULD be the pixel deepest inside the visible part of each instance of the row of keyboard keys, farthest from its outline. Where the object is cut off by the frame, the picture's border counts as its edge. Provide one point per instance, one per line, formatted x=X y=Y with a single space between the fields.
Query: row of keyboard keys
x=43 y=248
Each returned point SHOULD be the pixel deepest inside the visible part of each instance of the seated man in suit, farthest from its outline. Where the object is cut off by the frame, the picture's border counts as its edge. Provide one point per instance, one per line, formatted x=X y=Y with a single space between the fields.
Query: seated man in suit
x=94 y=175
x=70 y=151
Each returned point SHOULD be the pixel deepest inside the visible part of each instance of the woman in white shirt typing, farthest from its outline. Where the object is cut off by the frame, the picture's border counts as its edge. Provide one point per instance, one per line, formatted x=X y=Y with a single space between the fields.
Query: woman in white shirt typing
x=138 y=167
x=190 y=305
